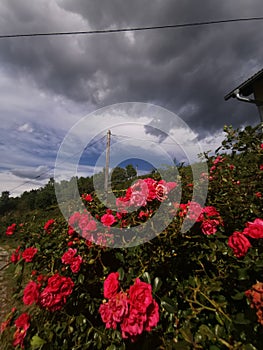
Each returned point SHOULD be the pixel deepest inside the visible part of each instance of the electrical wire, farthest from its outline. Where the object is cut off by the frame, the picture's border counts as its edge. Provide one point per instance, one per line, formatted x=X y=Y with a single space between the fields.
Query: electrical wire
x=159 y=143
x=134 y=29
x=52 y=168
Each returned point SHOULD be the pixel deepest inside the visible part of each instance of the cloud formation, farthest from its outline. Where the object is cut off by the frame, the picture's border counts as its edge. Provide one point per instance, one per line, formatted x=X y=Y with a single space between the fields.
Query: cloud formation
x=48 y=83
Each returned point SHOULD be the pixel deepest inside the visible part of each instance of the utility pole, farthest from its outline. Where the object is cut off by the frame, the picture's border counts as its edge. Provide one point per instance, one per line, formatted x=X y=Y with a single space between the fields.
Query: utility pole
x=106 y=179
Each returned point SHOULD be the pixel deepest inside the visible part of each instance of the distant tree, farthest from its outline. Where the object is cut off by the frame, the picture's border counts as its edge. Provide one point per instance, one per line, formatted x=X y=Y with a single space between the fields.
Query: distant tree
x=131 y=171
x=118 y=175
x=46 y=195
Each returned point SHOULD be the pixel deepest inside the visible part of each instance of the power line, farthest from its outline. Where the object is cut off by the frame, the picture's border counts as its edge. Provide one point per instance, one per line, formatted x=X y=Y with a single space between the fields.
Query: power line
x=158 y=142
x=134 y=29
x=52 y=168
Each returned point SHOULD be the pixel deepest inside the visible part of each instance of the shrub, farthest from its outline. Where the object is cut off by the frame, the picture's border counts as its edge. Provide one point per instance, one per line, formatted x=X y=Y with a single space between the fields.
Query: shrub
x=180 y=290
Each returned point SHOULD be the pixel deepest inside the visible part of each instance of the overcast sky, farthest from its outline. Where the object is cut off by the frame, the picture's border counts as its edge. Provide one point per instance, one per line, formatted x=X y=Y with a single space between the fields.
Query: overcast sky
x=48 y=84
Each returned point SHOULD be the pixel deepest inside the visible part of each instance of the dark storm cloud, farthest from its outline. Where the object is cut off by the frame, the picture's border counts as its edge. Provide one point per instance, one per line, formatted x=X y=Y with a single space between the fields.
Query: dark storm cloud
x=42 y=172
x=188 y=70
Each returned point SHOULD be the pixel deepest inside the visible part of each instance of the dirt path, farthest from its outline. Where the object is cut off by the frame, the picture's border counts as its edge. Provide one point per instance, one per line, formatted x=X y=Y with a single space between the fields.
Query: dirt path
x=3 y=289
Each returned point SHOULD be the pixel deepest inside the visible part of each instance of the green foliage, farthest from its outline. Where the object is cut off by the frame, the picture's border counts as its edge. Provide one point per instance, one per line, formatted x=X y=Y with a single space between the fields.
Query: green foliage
x=196 y=280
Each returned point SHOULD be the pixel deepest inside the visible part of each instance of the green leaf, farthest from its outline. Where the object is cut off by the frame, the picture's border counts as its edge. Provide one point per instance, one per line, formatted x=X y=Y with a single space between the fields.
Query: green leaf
x=187 y=334
x=18 y=270
x=240 y=319
x=121 y=273
x=146 y=277
x=36 y=342
x=243 y=274
x=156 y=284
x=168 y=305
x=205 y=331
x=111 y=347
x=238 y=296
x=81 y=278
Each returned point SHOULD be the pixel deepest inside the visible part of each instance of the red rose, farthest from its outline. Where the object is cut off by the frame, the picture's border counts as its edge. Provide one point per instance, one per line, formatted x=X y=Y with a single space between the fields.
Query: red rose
x=239 y=244
x=29 y=253
x=53 y=297
x=22 y=324
x=75 y=264
x=10 y=230
x=51 y=301
x=140 y=295
x=115 y=310
x=67 y=257
x=152 y=316
x=118 y=305
x=19 y=337
x=151 y=183
x=255 y=296
x=254 y=229
x=31 y=293
x=111 y=285
x=67 y=286
x=106 y=316
x=16 y=256
x=108 y=219
x=133 y=325
x=87 y=197
x=48 y=224
x=209 y=227
x=54 y=283
x=23 y=321
x=208 y=212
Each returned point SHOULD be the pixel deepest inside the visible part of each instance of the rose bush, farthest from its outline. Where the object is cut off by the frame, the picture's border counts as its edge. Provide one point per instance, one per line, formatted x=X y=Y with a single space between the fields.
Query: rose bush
x=200 y=289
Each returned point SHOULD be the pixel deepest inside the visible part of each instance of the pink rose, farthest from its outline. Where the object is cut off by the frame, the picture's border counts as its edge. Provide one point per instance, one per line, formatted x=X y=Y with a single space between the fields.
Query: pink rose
x=239 y=244
x=84 y=221
x=74 y=219
x=92 y=226
x=161 y=192
x=140 y=295
x=138 y=199
x=254 y=229
x=194 y=210
x=31 y=293
x=139 y=194
x=111 y=285
x=29 y=253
